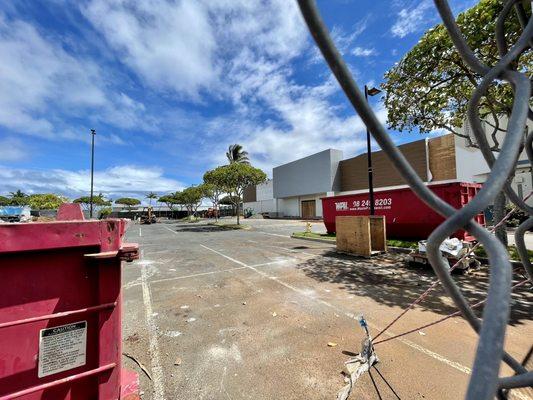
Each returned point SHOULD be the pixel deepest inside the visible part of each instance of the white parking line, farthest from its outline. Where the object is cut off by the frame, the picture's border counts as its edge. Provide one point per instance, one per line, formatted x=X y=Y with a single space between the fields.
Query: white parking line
x=155 y=359
x=415 y=346
x=168 y=229
x=195 y=275
x=176 y=278
x=273 y=234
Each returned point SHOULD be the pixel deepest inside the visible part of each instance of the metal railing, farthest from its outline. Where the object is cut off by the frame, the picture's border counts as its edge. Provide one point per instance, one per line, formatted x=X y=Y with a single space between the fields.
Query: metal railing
x=485 y=382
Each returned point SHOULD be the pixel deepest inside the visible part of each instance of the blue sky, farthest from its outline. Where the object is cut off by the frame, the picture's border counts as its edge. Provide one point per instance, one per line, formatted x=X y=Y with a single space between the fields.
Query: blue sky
x=169 y=84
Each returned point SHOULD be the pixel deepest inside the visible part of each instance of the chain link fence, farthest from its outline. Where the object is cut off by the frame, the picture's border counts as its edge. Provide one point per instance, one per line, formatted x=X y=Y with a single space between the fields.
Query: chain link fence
x=484 y=382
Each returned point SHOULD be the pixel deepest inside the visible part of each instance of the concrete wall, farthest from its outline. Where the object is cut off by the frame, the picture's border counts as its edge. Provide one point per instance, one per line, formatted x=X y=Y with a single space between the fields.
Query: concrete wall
x=472 y=167
x=289 y=206
x=262 y=206
x=523 y=183
x=292 y=206
x=265 y=191
x=469 y=162
x=313 y=174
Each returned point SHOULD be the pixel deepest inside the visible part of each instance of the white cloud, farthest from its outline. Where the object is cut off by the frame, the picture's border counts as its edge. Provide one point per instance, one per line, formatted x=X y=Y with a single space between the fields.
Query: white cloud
x=169 y=44
x=12 y=149
x=242 y=53
x=343 y=40
x=364 y=52
x=34 y=73
x=276 y=118
x=113 y=182
x=41 y=84
x=411 y=19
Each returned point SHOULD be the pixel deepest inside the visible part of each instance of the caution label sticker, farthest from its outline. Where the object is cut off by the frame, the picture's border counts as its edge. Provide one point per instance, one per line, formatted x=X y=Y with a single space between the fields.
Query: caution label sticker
x=62 y=348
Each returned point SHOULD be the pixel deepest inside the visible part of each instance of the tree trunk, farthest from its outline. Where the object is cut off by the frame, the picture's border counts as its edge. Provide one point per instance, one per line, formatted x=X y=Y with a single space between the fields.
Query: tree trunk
x=499 y=213
x=238 y=213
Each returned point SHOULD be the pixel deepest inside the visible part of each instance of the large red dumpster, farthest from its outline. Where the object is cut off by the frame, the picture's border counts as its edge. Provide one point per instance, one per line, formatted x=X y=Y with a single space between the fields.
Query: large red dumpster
x=60 y=309
x=407 y=217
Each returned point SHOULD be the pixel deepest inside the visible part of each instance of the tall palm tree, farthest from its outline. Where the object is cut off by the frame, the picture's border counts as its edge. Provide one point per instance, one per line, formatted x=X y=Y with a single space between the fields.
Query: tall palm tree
x=236 y=154
x=150 y=196
x=18 y=198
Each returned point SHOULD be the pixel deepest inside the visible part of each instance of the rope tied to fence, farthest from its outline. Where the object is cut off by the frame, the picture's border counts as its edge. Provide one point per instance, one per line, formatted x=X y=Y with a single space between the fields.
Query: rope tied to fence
x=452 y=268
x=484 y=382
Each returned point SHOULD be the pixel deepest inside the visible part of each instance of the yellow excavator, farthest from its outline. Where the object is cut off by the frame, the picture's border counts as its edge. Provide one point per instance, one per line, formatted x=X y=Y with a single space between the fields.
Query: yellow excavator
x=148 y=216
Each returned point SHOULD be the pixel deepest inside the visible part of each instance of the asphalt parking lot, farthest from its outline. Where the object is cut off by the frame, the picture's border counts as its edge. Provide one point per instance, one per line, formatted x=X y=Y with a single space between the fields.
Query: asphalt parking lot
x=248 y=314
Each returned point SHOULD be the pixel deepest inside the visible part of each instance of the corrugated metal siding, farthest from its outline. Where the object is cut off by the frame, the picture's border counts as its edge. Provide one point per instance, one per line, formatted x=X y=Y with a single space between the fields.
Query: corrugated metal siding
x=354 y=175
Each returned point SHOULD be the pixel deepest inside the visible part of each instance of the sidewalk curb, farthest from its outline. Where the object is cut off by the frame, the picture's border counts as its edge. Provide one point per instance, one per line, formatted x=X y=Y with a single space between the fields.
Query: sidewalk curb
x=314 y=239
x=392 y=248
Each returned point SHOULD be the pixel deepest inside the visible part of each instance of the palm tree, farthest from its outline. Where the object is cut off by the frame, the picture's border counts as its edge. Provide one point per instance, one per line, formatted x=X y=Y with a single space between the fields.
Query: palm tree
x=18 y=198
x=236 y=154
x=150 y=196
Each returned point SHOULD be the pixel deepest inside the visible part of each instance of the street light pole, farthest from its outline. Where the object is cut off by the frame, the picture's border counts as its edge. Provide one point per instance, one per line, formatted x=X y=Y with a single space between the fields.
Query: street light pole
x=370 y=92
x=93 y=133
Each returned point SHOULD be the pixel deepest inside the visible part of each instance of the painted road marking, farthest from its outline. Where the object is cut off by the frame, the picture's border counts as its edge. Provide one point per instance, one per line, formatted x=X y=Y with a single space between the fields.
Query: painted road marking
x=195 y=275
x=273 y=234
x=168 y=229
x=140 y=232
x=155 y=359
x=415 y=346
x=127 y=286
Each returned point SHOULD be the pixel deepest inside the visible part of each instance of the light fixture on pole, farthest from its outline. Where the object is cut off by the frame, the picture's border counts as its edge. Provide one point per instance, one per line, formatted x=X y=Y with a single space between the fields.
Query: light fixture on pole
x=372 y=91
x=93 y=134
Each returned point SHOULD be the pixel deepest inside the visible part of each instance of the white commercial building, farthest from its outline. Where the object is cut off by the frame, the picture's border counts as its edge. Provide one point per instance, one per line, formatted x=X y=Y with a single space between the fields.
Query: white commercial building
x=297 y=187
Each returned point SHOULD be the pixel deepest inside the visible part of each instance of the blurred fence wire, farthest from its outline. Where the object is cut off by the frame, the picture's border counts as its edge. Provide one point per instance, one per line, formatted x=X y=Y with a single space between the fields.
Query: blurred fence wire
x=484 y=382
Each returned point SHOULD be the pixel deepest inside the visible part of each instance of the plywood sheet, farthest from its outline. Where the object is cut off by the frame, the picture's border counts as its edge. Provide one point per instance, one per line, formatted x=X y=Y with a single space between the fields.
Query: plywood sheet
x=378 y=235
x=353 y=235
x=442 y=158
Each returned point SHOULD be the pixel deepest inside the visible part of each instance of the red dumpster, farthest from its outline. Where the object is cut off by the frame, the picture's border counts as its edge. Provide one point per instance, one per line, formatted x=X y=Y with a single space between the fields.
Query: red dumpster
x=60 y=309
x=407 y=217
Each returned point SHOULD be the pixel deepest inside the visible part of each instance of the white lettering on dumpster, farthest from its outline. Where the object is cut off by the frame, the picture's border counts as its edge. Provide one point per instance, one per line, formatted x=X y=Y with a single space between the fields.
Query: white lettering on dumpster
x=62 y=348
x=341 y=205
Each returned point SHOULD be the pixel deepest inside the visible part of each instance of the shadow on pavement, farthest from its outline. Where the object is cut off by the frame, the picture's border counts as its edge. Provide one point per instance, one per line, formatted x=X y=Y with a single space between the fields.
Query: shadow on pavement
x=201 y=228
x=389 y=279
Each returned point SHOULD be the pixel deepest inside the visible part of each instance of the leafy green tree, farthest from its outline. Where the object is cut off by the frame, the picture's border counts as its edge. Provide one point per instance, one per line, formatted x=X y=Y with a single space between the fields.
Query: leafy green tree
x=230 y=201
x=236 y=177
x=214 y=187
x=46 y=201
x=191 y=198
x=170 y=200
x=128 y=201
x=105 y=212
x=98 y=201
x=236 y=154
x=18 y=198
x=430 y=87
x=4 y=201
x=151 y=196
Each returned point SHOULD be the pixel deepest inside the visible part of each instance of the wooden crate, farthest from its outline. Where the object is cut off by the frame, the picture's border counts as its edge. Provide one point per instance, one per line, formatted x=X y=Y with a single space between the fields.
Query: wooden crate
x=361 y=235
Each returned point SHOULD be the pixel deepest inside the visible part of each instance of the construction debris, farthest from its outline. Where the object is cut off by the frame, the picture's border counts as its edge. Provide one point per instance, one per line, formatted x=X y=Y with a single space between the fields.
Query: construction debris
x=358 y=365
x=141 y=366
